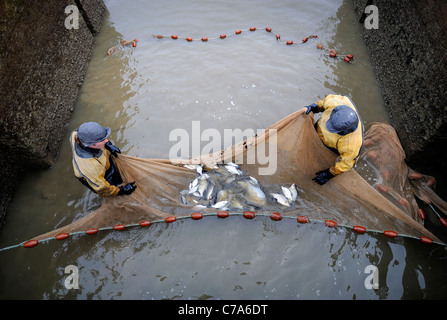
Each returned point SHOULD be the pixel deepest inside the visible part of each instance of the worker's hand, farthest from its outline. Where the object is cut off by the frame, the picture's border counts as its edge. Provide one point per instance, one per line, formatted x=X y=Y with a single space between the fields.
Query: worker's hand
x=127 y=189
x=323 y=176
x=114 y=150
x=313 y=107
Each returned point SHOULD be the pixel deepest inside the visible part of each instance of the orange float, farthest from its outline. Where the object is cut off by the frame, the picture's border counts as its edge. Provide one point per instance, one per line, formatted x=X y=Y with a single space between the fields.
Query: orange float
x=359 y=229
x=119 y=227
x=421 y=214
x=303 y=219
x=390 y=233
x=62 y=236
x=276 y=216
x=196 y=216
x=426 y=240
x=145 y=223
x=170 y=219
x=222 y=214
x=443 y=222
x=249 y=214
x=30 y=243
x=91 y=231
x=330 y=223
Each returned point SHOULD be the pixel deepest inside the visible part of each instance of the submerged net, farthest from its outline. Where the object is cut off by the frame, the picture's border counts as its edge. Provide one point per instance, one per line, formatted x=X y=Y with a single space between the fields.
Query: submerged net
x=347 y=199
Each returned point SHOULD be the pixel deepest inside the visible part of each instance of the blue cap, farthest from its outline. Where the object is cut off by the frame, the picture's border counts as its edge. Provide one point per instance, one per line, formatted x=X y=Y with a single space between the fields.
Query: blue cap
x=343 y=120
x=90 y=133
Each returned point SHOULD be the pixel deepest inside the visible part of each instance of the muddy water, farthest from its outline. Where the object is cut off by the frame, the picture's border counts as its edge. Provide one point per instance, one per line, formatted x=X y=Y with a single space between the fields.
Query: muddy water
x=244 y=81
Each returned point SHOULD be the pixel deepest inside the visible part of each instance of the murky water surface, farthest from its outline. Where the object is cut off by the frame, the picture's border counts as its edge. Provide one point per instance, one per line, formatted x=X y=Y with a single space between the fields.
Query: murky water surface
x=243 y=81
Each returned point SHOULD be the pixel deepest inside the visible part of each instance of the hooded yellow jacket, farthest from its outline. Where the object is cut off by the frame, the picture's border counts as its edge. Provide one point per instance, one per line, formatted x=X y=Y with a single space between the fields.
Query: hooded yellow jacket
x=92 y=168
x=348 y=146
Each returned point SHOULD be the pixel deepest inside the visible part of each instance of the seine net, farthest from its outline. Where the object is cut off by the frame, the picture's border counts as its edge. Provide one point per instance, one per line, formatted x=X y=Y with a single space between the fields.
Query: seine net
x=347 y=199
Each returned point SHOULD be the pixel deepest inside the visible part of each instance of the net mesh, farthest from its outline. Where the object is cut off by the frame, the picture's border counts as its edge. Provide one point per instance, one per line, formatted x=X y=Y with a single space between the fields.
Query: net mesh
x=347 y=199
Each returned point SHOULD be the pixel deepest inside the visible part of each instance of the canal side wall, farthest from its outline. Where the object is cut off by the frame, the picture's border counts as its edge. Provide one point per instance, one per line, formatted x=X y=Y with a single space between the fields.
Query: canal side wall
x=42 y=67
x=408 y=51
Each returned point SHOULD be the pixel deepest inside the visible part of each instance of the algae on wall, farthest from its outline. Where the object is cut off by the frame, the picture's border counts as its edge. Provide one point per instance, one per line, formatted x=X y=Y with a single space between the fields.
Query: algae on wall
x=408 y=53
x=42 y=67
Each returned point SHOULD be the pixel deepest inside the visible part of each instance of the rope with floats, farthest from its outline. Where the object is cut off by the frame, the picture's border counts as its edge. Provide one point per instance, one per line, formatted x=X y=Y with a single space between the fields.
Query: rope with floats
x=330 y=52
x=276 y=216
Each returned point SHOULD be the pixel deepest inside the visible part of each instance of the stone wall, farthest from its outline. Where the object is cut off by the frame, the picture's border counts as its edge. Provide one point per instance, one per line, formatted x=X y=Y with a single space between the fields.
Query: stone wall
x=42 y=68
x=409 y=54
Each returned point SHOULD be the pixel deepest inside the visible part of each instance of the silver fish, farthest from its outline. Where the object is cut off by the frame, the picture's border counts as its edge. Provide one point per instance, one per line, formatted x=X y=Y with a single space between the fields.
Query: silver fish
x=222 y=195
x=233 y=169
x=220 y=204
x=210 y=166
x=229 y=179
x=203 y=184
x=287 y=193
x=294 y=192
x=280 y=199
x=194 y=185
x=209 y=192
x=232 y=164
x=253 y=194
x=235 y=204
x=254 y=181
x=197 y=167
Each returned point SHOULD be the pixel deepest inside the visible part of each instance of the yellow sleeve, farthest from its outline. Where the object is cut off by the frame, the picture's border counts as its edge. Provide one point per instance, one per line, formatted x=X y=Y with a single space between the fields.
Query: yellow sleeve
x=101 y=186
x=349 y=149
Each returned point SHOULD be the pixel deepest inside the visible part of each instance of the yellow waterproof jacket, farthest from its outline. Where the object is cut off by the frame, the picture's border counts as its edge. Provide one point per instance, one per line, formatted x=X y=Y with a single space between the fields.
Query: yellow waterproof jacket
x=348 y=146
x=92 y=169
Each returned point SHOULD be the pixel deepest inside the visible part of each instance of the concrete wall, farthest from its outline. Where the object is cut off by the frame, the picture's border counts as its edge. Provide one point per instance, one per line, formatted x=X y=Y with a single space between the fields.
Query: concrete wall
x=409 y=55
x=42 y=68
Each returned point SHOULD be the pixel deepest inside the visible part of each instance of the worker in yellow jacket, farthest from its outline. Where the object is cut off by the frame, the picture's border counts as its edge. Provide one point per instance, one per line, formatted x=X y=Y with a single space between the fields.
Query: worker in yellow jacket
x=92 y=160
x=341 y=129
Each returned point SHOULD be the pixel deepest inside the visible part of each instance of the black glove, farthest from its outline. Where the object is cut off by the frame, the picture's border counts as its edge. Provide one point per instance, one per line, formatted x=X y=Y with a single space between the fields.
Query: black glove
x=127 y=189
x=313 y=107
x=323 y=176
x=114 y=150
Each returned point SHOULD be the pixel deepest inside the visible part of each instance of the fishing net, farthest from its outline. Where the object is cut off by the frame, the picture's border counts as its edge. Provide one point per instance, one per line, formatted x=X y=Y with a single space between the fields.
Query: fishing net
x=347 y=199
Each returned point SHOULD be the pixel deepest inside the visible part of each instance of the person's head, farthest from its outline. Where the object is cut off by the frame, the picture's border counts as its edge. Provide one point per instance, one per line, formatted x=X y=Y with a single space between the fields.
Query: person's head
x=93 y=135
x=343 y=120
